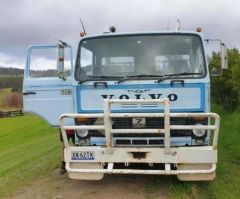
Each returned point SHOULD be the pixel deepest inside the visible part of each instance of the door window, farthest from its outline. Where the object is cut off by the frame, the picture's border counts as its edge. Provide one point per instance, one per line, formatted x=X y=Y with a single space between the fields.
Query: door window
x=43 y=62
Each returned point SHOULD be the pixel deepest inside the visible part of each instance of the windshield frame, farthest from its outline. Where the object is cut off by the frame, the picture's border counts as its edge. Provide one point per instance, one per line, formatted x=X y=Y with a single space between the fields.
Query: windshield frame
x=78 y=66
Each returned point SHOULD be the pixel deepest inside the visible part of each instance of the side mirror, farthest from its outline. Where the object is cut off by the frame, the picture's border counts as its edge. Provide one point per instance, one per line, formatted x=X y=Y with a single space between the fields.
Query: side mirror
x=60 y=58
x=224 y=56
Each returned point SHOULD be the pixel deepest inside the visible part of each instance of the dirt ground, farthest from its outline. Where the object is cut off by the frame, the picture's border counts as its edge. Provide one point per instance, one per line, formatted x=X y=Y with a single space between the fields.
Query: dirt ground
x=55 y=186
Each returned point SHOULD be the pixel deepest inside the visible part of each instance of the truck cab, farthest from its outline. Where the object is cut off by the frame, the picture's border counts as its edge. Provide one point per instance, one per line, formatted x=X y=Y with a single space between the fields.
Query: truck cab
x=138 y=103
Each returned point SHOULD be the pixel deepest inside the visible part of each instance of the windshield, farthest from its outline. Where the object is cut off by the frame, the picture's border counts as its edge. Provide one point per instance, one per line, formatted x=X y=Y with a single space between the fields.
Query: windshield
x=123 y=56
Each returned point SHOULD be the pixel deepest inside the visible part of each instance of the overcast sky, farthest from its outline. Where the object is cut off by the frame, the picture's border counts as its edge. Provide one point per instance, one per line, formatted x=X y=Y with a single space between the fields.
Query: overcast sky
x=28 y=22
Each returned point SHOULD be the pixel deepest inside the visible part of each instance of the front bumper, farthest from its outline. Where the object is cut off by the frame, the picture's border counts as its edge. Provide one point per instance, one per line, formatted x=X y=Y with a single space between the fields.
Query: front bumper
x=179 y=155
x=107 y=156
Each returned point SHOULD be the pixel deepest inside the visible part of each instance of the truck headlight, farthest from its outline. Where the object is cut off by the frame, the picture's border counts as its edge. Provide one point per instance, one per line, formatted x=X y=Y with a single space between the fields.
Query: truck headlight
x=199 y=132
x=82 y=132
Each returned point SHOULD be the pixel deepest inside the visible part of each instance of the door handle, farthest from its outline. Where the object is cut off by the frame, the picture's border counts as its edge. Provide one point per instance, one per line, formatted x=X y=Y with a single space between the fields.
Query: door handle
x=29 y=93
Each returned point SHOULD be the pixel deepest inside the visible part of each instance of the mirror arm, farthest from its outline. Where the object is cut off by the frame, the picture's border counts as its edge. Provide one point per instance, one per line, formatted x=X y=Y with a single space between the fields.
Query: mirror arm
x=62 y=43
x=62 y=77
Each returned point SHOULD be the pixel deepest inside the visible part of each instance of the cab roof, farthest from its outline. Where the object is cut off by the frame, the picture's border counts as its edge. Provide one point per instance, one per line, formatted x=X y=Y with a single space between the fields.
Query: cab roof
x=112 y=34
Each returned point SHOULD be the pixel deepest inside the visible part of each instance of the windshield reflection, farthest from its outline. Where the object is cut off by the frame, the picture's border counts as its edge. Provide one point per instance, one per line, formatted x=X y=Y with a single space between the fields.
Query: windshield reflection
x=154 y=55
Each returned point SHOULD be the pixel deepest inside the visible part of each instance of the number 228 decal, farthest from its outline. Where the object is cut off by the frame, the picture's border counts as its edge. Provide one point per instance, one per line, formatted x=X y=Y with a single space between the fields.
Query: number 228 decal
x=66 y=92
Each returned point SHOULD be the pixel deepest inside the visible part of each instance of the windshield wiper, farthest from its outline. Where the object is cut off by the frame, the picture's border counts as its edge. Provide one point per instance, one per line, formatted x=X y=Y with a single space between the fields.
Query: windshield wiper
x=129 y=77
x=174 y=75
x=97 y=77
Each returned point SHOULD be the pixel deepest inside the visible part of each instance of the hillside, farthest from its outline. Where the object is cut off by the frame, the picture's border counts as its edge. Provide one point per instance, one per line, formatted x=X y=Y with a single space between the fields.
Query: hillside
x=10 y=71
x=13 y=77
x=11 y=81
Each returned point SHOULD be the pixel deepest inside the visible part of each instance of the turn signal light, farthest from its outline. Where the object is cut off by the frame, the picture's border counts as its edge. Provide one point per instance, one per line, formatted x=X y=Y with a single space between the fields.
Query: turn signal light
x=82 y=119
x=199 y=119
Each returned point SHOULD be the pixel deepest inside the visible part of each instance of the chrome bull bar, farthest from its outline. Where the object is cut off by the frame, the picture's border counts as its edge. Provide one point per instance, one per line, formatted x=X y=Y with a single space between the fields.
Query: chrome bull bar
x=109 y=151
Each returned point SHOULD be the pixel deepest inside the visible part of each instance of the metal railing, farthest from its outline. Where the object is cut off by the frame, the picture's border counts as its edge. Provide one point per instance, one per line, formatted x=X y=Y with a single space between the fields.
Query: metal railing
x=168 y=155
x=107 y=116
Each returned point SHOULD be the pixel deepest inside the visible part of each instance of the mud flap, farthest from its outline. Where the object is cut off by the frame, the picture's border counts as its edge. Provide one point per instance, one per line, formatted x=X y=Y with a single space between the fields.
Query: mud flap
x=195 y=177
x=85 y=176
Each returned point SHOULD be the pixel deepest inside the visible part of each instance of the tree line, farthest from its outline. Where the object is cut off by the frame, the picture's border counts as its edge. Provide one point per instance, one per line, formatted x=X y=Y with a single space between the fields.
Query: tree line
x=13 y=77
x=13 y=82
x=11 y=71
x=225 y=89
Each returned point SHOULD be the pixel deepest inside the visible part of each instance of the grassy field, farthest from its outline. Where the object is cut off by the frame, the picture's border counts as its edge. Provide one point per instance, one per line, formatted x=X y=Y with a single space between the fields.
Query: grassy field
x=227 y=183
x=33 y=150
x=29 y=148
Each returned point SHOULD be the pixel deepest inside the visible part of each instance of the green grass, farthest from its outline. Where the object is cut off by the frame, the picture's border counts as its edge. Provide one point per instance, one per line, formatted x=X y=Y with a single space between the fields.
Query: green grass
x=227 y=183
x=29 y=148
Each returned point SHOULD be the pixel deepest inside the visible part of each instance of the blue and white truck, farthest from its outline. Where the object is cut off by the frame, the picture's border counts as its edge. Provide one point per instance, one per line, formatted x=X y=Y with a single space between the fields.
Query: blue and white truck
x=138 y=103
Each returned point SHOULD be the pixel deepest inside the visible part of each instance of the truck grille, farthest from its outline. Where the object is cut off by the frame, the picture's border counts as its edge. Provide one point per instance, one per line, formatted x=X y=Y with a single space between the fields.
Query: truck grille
x=153 y=123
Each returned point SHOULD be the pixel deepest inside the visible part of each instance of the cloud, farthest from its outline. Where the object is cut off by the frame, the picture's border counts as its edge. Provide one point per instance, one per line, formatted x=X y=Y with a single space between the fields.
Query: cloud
x=10 y=61
x=28 y=22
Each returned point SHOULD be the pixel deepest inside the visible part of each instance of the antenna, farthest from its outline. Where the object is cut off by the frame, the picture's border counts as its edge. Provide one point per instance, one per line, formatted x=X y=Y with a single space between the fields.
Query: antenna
x=82 y=26
x=168 y=25
x=178 y=25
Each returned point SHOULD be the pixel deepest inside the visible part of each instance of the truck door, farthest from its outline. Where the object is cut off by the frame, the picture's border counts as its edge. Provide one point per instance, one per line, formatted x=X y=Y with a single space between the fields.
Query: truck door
x=46 y=92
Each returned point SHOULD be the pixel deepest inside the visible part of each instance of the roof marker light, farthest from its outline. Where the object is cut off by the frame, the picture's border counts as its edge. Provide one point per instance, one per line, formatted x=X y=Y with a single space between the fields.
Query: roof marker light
x=82 y=34
x=199 y=29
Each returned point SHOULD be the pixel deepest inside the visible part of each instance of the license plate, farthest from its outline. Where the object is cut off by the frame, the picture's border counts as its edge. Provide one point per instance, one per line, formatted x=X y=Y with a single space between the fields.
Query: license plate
x=82 y=155
x=139 y=123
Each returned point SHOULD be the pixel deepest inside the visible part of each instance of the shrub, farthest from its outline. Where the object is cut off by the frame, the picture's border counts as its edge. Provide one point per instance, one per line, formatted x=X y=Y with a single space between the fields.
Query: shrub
x=14 y=99
x=226 y=88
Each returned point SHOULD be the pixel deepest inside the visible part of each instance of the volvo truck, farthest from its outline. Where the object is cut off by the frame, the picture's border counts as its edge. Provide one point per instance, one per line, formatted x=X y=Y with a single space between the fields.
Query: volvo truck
x=137 y=103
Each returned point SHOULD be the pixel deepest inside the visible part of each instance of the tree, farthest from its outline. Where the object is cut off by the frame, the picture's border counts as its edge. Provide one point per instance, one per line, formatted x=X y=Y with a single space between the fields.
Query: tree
x=226 y=88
